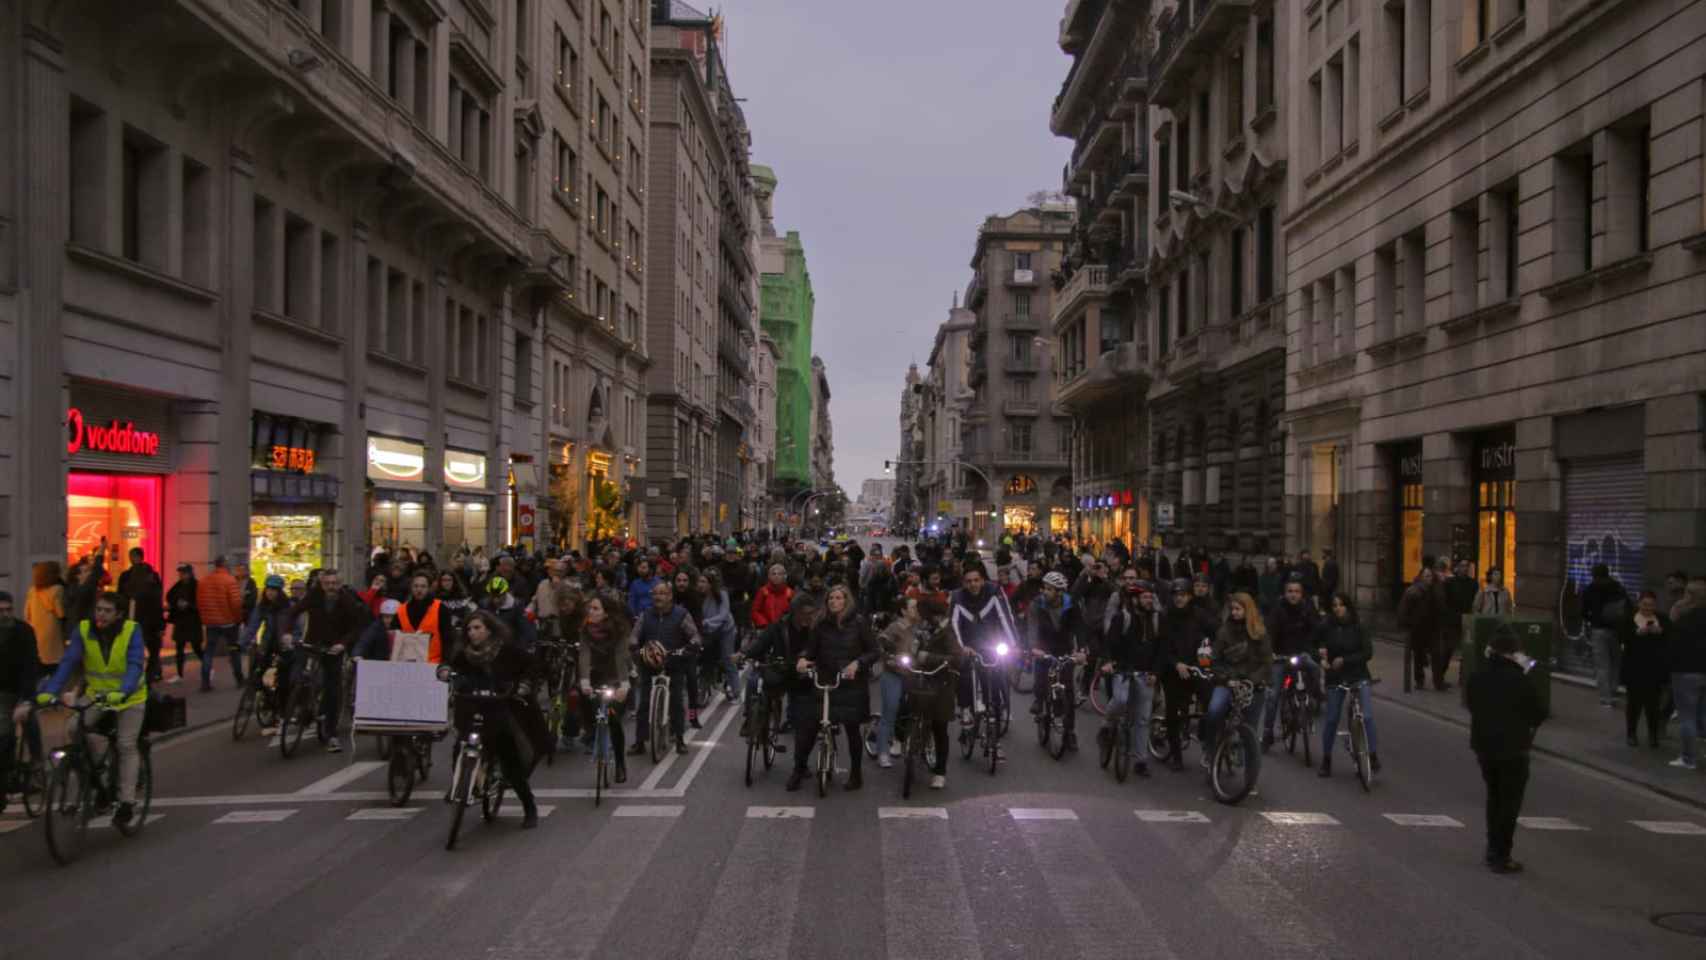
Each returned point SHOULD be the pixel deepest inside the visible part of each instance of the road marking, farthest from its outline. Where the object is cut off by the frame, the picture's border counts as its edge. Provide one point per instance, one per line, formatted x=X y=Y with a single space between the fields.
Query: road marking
x=704 y=753
x=912 y=813
x=1422 y=820
x=107 y=821
x=191 y=737
x=1293 y=819
x=248 y=799
x=1042 y=813
x=344 y=777
x=780 y=813
x=256 y=816
x=1096 y=913
x=512 y=809
x=7 y=826
x=663 y=768
x=927 y=914
x=1549 y=823
x=1170 y=816
x=648 y=810
x=384 y=813
x=767 y=865
x=1681 y=828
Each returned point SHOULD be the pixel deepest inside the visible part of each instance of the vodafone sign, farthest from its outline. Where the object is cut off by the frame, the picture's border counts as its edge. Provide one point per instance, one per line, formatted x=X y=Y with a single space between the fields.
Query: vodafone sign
x=116 y=437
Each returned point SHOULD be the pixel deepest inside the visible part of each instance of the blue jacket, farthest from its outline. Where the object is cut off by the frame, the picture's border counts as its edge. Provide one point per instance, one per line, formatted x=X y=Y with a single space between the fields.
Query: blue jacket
x=134 y=658
x=640 y=595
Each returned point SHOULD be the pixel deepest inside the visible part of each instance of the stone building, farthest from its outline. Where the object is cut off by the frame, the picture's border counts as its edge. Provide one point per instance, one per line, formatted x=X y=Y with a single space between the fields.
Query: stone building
x=1494 y=252
x=761 y=471
x=944 y=401
x=823 y=429
x=907 y=468
x=786 y=310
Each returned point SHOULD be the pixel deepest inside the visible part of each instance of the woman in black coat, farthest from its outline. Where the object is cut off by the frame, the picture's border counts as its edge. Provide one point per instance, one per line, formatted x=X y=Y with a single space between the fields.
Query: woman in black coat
x=489 y=658
x=1645 y=635
x=841 y=643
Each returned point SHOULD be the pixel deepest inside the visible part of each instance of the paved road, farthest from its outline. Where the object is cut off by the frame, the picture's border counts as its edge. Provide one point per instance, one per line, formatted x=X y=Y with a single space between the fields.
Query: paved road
x=261 y=857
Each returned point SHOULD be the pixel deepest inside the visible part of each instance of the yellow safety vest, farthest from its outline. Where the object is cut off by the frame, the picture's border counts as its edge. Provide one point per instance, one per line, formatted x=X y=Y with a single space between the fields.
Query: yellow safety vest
x=103 y=675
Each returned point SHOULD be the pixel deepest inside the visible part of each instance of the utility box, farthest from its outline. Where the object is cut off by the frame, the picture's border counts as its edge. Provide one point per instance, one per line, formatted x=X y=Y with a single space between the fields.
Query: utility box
x=1536 y=635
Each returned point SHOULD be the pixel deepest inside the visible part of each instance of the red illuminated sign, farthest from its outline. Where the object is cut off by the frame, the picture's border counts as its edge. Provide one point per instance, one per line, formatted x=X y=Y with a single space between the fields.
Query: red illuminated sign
x=115 y=437
x=292 y=458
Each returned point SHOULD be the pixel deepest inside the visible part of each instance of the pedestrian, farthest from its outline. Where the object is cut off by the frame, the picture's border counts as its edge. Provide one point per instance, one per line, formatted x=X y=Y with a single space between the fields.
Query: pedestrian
x=1643 y=637
x=1493 y=600
x=185 y=618
x=219 y=599
x=1605 y=605
x=1418 y=613
x=1329 y=578
x=44 y=611
x=1687 y=662
x=1504 y=713
x=1460 y=591
x=144 y=595
x=19 y=672
x=1675 y=595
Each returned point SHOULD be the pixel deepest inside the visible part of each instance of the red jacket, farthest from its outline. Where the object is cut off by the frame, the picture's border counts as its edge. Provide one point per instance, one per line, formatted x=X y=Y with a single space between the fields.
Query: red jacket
x=219 y=599
x=770 y=604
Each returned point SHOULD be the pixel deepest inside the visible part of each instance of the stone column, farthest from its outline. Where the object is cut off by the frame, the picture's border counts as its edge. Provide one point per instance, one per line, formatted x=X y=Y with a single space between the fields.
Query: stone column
x=1539 y=520
x=231 y=459
x=352 y=468
x=437 y=354
x=1446 y=485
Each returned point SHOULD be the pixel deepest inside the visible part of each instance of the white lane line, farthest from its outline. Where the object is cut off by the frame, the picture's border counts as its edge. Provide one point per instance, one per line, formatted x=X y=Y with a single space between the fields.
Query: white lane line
x=107 y=821
x=648 y=810
x=663 y=768
x=780 y=813
x=1680 y=828
x=1422 y=820
x=912 y=813
x=1096 y=912
x=926 y=912
x=513 y=809
x=766 y=865
x=344 y=777
x=1042 y=813
x=1549 y=823
x=699 y=758
x=585 y=793
x=256 y=816
x=7 y=826
x=247 y=799
x=1295 y=819
x=174 y=742
x=385 y=813
x=1170 y=816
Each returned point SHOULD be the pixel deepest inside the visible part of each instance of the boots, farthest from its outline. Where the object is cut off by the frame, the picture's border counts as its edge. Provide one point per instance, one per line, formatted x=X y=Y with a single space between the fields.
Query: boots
x=1326 y=767
x=1374 y=762
x=856 y=779
x=529 y=807
x=795 y=779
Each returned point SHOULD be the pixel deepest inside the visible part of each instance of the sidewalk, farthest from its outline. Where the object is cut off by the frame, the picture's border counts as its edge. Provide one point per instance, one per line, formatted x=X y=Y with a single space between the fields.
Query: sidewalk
x=1579 y=729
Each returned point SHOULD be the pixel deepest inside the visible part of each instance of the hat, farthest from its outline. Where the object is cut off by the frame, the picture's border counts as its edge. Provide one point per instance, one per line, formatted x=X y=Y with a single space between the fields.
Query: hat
x=389 y=608
x=276 y=581
x=497 y=585
x=1181 y=584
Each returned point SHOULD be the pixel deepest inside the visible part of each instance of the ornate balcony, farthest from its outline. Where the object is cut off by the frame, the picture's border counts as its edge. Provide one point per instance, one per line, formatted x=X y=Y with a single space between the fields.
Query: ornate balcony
x=1190 y=37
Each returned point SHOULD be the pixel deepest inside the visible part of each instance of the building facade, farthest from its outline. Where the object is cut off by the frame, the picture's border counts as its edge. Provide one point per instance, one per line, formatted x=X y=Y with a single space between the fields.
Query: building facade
x=786 y=309
x=1219 y=121
x=761 y=471
x=1100 y=320
x=298 y=301
x=1497 y=348
x=1014 y=435
x=909 y=453
x=946 y=398
x=823 y=429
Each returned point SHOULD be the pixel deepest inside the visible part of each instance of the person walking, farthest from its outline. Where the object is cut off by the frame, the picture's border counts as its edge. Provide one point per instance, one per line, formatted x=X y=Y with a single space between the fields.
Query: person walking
x=1504 y=713
x=1605 y=605
x=143 y=592
x=219 y=599
x=1644 y=671
x=1493 y=600
x=185 y=618
x=44 y=611
x=1460 y=591
x=20 y=670
x=1687 y=662
x=1418 y=612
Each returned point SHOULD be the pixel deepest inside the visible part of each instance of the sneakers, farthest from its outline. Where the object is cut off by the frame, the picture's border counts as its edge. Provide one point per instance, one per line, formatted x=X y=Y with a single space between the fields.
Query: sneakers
x=123 y=815
x=1326 y=767
x=269 y=731
x=937 y=781
x=885 y=762
x=621 y=773
x=1504 y=865
x=1684 y=763
x=1374 y=762
x=333 y=746
x=681 y=747
x=638 y=749
x=894 y=748
x=530 y=819
x=693 y=721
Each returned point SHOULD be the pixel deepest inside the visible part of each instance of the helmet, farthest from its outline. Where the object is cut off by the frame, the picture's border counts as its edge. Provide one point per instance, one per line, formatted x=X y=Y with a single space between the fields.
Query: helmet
x=1055 y=579
x=653 y=655
x=389 y=608
x=497 y=585
x=275 y=581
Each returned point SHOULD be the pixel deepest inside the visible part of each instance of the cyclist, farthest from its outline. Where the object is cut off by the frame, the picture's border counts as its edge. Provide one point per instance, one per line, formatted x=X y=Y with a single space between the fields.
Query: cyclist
x=490 y=658
x=783 y=639
x=841 y=643
x=1344 y=649
x=934 y=701
x=112 y=655
x=640 y=594
x=501 y=603
x=980 y=619
x=604 y=662
x=336 y=618
x=1241 y=651
x=668 y=641
x=1052 y=629
x=898 y=639
x=265 y=634
x=1185 y=639
x=1292 y=624
x=20 y=669
x=771 y=603
x=1133 y=651
x=424 y=614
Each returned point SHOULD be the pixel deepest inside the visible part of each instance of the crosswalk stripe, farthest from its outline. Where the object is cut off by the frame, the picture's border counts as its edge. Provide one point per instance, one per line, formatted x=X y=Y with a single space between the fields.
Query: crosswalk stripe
x=256 y=816
x=780 y=813
x=385 y=813
x=1093 y=905
x=1680 y=828
x=912 y=813
x=1299 y=819
x=348 y=775
x=927 y=914
x=1171 y=816
x=1549 y=823
x=512 y=808
x=648 y=810
x=1422 y=820
x=7 y=826
x=767 y=865
x=1042 y=813
x=107 y=821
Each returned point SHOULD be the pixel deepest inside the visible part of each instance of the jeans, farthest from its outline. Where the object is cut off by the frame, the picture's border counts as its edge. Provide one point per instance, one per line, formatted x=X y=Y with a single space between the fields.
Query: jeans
x=129 y=727
x=1335 y=707
x=216 y=636
x=677 y=702
x=1276 y=682
x=1506 y=778
x=993 y=681
x=1219 y=705
x=152 y=635
x=1606 y=653
x=1142 y=704
x=728 y=640
x=889 y=684
x=1690 y=692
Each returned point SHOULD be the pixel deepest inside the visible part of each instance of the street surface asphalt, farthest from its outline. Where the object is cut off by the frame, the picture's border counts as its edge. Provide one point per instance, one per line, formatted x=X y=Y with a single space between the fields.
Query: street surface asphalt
x=256 y=856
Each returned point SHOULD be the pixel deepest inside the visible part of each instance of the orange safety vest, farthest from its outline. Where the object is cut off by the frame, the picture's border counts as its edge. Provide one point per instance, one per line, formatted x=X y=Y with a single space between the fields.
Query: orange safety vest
x=428 y=625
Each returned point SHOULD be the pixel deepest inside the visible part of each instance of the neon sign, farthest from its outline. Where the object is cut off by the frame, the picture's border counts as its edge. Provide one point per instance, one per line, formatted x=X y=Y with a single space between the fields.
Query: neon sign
x=292 y=458
x=115 y=437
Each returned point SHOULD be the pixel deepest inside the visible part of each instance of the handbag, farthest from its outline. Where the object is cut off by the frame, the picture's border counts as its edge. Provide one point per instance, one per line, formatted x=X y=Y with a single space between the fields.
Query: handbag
x=162 y=712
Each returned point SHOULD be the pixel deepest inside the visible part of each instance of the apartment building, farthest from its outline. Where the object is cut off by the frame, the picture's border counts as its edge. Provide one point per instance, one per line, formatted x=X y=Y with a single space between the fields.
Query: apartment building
x=907 y=469
x=823 y=429
x=274 y=280
x=946 y=397
x=1219 y=118
x=786 y=311
x=737 y=326
x=1013 y=434
x=1497 y=351
x=1102 y=366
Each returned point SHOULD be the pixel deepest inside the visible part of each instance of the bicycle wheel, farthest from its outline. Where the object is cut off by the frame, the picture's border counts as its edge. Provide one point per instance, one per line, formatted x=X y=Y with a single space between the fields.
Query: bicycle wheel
x=968 y=738
x=870 y=737
x=245 y=706
x=266 y=708
x=1104 y=746
x=660 y=724
x=1005 y=715
x=1359 y=753
x=461 y=793
x=1307 y=721
x=909 y=759
x=1122 y=751
x=296 y=718
x=559 y=708
x=1237 y=760
x=400 y=775
x=32 y=782
x=752 y=750
x=68 y=808
x=992 y=744
x=1057 y=718
x=1098 y=699
x=1288 y=724
x=825 y=762
x=1023 y=678
x=144 y=789
x=1045 y=725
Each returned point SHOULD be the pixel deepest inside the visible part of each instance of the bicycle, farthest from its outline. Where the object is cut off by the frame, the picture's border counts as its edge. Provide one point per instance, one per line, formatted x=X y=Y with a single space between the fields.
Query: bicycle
x=1119 y=749
x=1051 y=718
x=560 y=667
x=602 y=752
x=409 y=758
x=825 y=754
x=985 y=724
x=1298 y=708
x=658 y=710
x=259 y=701
x=1023 y=677
x=1237 y=757
x=29 y=770
x=474 y=775
x=1159 y=746
x=761 y=736
x=1356 y=735
x=303 y=706
x=84 y=785
x=917 y=745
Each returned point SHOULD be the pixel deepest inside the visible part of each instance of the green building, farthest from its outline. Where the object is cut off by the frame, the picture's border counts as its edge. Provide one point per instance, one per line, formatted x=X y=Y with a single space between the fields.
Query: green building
x=786 y=313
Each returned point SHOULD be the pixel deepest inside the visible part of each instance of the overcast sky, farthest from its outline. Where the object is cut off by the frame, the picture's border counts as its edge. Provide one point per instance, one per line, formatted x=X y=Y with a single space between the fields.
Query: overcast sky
x=894 y=128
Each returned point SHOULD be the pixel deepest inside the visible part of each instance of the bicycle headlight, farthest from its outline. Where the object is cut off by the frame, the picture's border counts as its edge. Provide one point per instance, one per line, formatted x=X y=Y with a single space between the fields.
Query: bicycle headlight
x=1001 y=650
x=1294 y=661
x=473 y=739
x=905 y=661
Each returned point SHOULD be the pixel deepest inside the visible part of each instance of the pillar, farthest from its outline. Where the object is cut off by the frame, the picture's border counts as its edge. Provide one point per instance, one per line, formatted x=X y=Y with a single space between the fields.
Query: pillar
x=230 y=486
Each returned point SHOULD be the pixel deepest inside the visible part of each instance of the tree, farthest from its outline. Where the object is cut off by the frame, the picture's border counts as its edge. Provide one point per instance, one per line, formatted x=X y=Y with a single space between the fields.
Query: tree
x=563 y=499
x=607 y=515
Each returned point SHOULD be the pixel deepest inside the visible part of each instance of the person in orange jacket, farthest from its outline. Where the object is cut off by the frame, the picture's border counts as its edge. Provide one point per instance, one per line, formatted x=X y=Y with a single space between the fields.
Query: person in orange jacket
x=772 y=600
x=219 y=600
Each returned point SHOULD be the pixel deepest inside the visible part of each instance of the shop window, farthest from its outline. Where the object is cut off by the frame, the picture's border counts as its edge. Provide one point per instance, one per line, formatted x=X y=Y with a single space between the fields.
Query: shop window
x=287 y=545
x=123 y=508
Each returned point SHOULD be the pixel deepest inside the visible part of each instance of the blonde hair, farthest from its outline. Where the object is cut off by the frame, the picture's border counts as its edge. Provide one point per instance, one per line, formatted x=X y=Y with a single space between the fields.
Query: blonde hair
x=845 y=591
x=1252 y=615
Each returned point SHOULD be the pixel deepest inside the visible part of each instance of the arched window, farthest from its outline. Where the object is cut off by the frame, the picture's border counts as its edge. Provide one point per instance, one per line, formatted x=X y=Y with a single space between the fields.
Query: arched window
x=1021 y=484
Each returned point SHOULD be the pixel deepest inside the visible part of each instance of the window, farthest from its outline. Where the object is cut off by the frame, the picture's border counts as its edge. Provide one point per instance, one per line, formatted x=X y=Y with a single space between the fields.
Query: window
x=1314 y=145
x=1393 y=51
x=1417 y=38
x=1184 y=286
x=1202 y=119
x=1465 y=241
x=266 y=253
x=396 y=309
x=1019 y=437
x=1236 y=248
x=330 y=283
x=1572 y=211
x=1021 y=261
x=1385 y=292
x=1413 y=303
x=1234 y=80
x=1502 y=253
x=1022 y=304
x=1021 y=389
x=1163 y=326
x=1350 y=122
x=197 y=226
x=88 y=162
x=523 y=368
x=143 y=201
x=298 y=269
x=1164 y=167
x=1265 y=254
x=1264 y=62
x=417 y=322
x=1306 y=321
x=1628 y=172
x=1019 y=347
x=1476 y=15
x=522 y=30
x=375 y=306
x=1182 y=173
x=523 y=178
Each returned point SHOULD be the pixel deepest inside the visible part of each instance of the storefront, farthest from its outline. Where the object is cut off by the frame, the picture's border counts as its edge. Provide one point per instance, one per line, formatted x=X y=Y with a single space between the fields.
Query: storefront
x=1114 y=513
x=1493 y=476
x=120 y=452
x=468 y=502
x=1406 y=555
x=293 y=499
x=398 y=496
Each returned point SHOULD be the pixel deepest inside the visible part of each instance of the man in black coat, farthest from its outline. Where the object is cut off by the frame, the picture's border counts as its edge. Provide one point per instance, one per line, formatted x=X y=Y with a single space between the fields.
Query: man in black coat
x=19 y=672
x=1504 y=712
x=145 y=599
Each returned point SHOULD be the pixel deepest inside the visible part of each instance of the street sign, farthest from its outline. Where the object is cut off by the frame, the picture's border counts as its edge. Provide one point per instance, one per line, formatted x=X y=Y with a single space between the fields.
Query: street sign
x=1164 y=514
x=961 y=509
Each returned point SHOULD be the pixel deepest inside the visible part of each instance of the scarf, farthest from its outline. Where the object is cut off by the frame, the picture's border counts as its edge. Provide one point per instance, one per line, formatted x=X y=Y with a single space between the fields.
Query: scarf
x=483 y=651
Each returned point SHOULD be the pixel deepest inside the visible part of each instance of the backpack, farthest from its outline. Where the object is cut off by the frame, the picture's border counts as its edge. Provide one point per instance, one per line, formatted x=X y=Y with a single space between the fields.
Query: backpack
x=1614 y=610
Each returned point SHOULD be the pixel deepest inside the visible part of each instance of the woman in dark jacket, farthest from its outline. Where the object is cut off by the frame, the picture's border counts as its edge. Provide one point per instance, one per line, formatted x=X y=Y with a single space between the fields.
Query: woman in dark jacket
x=489 y=658
x=1344 y=649
x=1645 y=635
x=932 y=698
x=184 y=616
x=1185 y=637
x=841 y=643
x=604 y=662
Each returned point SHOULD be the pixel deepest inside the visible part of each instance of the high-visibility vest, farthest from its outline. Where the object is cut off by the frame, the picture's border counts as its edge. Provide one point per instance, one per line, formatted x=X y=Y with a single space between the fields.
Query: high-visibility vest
x=428 y=626
x=104 y=675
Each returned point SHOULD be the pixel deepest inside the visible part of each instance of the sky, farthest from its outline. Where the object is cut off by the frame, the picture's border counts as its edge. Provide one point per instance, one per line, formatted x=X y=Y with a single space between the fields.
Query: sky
x=894 y=128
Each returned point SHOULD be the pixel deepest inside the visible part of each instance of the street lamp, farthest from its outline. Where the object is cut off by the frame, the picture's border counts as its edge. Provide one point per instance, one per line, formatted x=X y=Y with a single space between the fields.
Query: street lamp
x=1182 y=198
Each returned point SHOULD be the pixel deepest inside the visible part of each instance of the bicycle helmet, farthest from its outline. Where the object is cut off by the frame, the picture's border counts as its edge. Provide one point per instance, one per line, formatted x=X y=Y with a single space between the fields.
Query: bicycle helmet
x=275 y=581
x=497 y=585
x=1055 y=579
x=389 y=608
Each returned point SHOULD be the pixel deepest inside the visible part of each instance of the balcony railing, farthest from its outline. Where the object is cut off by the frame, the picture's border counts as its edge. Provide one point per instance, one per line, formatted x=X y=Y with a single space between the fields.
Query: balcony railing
x=1021 y=321
x=1021 y=278
x=1019 y=408
x=1086 y=281
x=1021 y=365
x=1195 y=28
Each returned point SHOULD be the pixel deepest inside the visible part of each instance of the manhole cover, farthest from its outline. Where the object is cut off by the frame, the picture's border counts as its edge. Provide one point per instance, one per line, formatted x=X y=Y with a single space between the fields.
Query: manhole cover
x=1692 y=924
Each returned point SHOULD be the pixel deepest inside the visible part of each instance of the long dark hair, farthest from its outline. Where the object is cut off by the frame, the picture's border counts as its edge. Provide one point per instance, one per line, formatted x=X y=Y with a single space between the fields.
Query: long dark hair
x=1350 y=607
